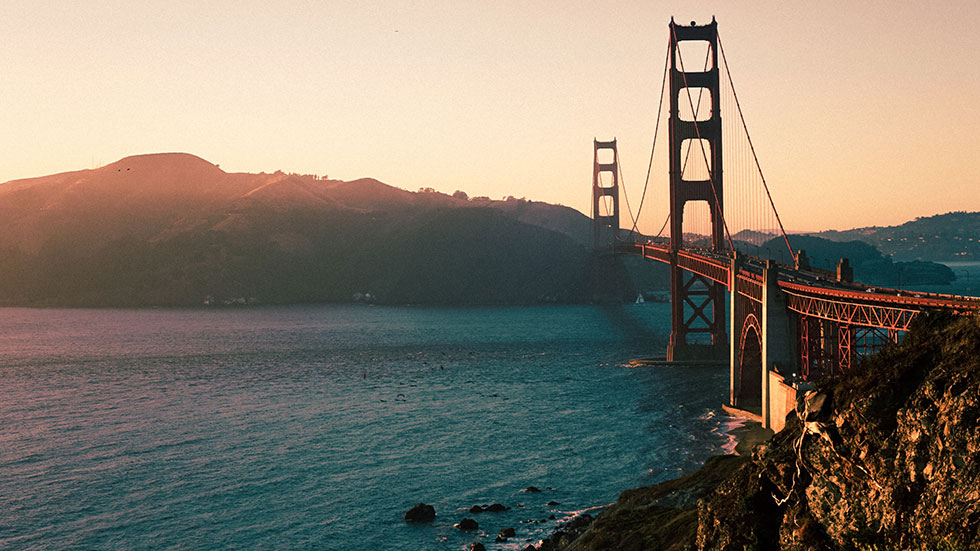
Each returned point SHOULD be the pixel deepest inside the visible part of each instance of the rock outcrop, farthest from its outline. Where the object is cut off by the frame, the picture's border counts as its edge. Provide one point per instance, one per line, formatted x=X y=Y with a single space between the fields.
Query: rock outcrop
x=420 y=512
x=662 y=517
x=884 y=457
x=891 y=460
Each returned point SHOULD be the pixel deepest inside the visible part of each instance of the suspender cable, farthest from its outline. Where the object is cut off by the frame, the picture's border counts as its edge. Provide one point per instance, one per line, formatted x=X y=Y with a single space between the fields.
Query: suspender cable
x=754 y=156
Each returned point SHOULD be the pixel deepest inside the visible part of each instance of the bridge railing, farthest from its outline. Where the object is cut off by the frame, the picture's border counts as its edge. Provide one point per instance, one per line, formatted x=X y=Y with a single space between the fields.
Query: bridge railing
x=821 y=286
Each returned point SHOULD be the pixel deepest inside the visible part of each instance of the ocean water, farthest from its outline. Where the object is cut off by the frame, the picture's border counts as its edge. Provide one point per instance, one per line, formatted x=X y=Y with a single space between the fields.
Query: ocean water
x=318 y=427
x=967 y=280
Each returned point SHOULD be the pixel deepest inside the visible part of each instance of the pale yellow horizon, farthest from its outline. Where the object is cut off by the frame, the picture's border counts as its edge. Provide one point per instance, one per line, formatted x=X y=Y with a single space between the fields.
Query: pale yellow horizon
x=862 y=113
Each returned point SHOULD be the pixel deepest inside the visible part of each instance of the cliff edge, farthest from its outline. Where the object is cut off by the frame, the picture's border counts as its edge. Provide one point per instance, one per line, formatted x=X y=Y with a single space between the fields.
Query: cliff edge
x=884 y=457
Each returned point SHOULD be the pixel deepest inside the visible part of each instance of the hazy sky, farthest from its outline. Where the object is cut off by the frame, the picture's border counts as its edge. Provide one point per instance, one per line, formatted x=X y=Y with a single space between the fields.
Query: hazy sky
x=862 y=113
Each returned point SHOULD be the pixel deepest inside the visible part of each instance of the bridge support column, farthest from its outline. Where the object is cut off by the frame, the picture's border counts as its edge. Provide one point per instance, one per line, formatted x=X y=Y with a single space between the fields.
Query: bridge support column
x=697 y=303
x=778 y=355
x=734 y=375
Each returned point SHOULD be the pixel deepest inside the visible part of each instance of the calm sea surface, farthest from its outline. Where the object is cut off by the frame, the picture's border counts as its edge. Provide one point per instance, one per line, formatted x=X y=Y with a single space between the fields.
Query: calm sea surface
x=318 y=427
x=967 y=280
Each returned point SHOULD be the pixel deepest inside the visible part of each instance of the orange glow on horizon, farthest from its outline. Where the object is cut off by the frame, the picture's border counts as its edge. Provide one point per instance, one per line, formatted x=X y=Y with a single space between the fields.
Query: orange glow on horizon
x=862 y=114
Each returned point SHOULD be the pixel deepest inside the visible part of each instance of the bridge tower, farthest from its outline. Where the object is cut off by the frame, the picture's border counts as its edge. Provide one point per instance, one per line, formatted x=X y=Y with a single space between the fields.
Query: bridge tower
x=606 y=226
x=697 y=303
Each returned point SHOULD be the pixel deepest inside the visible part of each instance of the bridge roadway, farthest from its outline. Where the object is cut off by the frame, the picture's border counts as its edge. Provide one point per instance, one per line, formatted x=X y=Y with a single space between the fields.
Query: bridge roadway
x=790 y=326
x=813 y=292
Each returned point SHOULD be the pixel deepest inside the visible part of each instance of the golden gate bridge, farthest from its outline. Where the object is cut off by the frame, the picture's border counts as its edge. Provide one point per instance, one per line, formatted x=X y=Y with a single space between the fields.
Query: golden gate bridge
x=789 y=324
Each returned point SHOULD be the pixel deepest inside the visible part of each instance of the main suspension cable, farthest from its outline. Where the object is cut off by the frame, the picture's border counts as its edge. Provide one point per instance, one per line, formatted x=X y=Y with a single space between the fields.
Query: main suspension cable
x=656 y=131
x=667 y=221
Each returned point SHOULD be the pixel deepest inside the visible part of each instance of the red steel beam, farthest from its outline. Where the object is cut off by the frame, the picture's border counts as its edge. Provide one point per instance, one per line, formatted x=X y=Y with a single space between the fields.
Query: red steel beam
x=707 y=267
x=851 y=313
x=715 y=270
x=893 y=309
x=892 y=298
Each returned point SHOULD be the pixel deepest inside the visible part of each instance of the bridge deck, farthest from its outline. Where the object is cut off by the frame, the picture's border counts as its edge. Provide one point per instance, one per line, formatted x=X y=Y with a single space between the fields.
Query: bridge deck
x=811 y=292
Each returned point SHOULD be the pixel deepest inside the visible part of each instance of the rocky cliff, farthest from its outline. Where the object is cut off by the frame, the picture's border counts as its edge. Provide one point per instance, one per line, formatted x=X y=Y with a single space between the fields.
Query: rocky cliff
x=885 y=457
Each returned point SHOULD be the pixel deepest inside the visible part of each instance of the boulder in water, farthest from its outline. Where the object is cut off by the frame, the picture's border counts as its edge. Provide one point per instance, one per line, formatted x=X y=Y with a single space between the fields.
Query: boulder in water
x=421 y=512
x=468 y=524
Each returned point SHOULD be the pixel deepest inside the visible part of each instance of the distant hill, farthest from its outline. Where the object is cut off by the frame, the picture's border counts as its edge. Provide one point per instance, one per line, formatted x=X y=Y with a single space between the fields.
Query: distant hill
x=944 y=237
x=870 y=266
x=174 y=229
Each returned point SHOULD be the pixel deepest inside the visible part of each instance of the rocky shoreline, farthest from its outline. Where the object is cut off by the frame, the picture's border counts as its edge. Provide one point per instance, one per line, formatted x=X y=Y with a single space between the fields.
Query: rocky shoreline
x=662 y=516
x=673 y=497
x=884 y=457
x=674 y=502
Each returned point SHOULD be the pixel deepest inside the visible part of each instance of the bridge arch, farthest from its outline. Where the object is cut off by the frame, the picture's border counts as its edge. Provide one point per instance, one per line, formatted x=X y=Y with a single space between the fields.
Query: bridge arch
x=750 y=364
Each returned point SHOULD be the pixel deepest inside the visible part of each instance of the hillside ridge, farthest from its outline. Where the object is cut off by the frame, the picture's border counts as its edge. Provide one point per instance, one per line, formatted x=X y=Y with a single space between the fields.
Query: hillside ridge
x=175 y=229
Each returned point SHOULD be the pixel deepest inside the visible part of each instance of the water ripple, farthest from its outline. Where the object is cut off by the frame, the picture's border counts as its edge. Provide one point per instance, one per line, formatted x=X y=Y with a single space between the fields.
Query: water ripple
x=318 y=427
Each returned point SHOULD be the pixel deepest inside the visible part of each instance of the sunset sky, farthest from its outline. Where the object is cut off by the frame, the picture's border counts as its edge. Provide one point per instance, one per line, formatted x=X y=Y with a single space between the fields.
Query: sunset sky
x=862 y=113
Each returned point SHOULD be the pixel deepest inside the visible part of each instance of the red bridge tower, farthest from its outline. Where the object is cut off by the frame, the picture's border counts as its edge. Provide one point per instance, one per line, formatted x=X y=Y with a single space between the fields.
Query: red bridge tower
x=697 y=303
x=605 y=221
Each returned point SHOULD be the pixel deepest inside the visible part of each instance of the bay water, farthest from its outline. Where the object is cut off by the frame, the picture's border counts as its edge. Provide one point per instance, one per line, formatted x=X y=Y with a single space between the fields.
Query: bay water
x=318 y=427
x=967 y=281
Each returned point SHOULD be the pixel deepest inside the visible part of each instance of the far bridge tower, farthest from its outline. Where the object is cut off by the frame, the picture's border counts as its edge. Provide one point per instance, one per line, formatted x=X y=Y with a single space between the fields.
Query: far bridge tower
x=605 y=194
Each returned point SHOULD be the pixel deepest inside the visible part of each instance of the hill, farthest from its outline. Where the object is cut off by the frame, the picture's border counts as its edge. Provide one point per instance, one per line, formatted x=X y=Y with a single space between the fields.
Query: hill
x=870 y=265
x=174 y=229
x=944 y=237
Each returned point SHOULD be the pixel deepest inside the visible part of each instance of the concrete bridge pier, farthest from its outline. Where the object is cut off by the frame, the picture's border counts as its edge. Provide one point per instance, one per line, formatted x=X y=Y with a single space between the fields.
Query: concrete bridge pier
x=778 y=352
x=734 y=379
x=762 y=350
